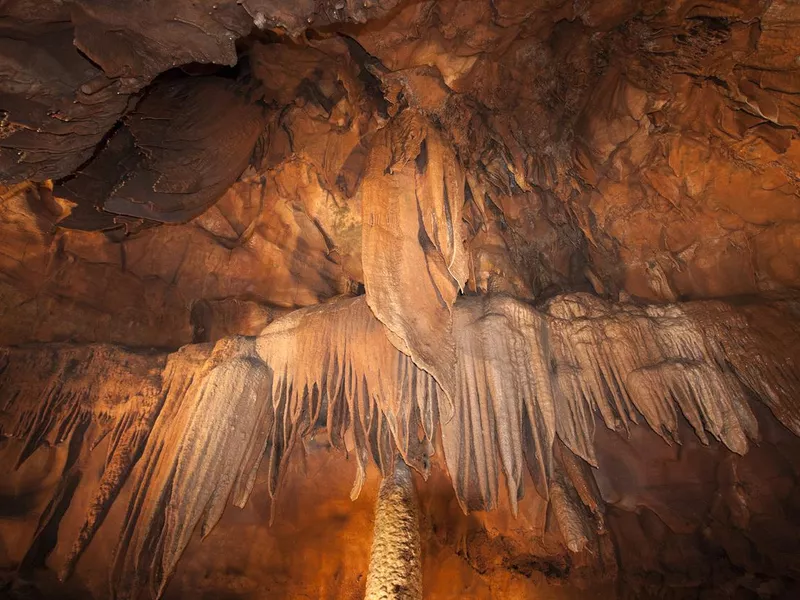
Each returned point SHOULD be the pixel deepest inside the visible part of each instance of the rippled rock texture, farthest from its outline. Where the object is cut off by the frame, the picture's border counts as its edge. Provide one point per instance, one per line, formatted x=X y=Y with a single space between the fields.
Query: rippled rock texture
x=546 y=252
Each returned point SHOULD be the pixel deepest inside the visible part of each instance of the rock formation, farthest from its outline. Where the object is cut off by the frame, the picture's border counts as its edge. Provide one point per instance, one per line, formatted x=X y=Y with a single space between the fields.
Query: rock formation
x=395 y=569
x=544 y=253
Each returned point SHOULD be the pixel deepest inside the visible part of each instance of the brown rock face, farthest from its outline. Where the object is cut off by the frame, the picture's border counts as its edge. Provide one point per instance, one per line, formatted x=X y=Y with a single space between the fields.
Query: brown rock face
x=546 y=253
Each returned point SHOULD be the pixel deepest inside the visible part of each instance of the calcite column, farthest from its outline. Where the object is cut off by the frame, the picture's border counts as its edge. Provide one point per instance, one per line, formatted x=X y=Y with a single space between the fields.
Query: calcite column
x=395 y=566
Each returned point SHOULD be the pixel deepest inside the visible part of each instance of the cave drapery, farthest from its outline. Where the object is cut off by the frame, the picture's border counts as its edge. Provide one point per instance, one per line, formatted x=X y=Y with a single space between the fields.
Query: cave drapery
x=523 y=244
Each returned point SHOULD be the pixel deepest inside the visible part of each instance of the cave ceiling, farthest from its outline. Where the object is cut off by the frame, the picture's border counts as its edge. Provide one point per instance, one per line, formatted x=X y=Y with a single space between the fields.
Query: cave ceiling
x=644 y=149
x=608 y=191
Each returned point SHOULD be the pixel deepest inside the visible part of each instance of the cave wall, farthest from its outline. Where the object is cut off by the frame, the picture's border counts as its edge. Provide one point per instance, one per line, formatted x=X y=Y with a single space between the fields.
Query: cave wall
x=189 y=171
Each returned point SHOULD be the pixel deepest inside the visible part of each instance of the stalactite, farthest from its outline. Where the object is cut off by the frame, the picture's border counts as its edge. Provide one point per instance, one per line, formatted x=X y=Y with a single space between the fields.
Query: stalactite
x=412 y=195
x=328 y=366
x=529 y=384
x=562 y=137
x=569 y=514
x=522 y=373
x=200 y=450
x=48 y=391
x=395 y=565
x=761 y=343
x=338 y=357
x=579 y=476
x=503 y=406
x=660 y=360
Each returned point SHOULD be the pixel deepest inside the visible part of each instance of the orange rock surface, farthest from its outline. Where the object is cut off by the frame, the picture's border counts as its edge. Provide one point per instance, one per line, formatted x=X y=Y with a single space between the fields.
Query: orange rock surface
x=180 y=173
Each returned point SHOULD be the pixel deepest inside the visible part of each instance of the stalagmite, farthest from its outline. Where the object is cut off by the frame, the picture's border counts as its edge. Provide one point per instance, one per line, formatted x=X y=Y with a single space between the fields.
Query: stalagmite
x=395 y=566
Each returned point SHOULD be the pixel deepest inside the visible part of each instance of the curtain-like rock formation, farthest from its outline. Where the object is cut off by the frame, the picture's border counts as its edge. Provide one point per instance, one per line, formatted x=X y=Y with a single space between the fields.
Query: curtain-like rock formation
x=523 y=377
x=411 y=197
x=176 y=174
